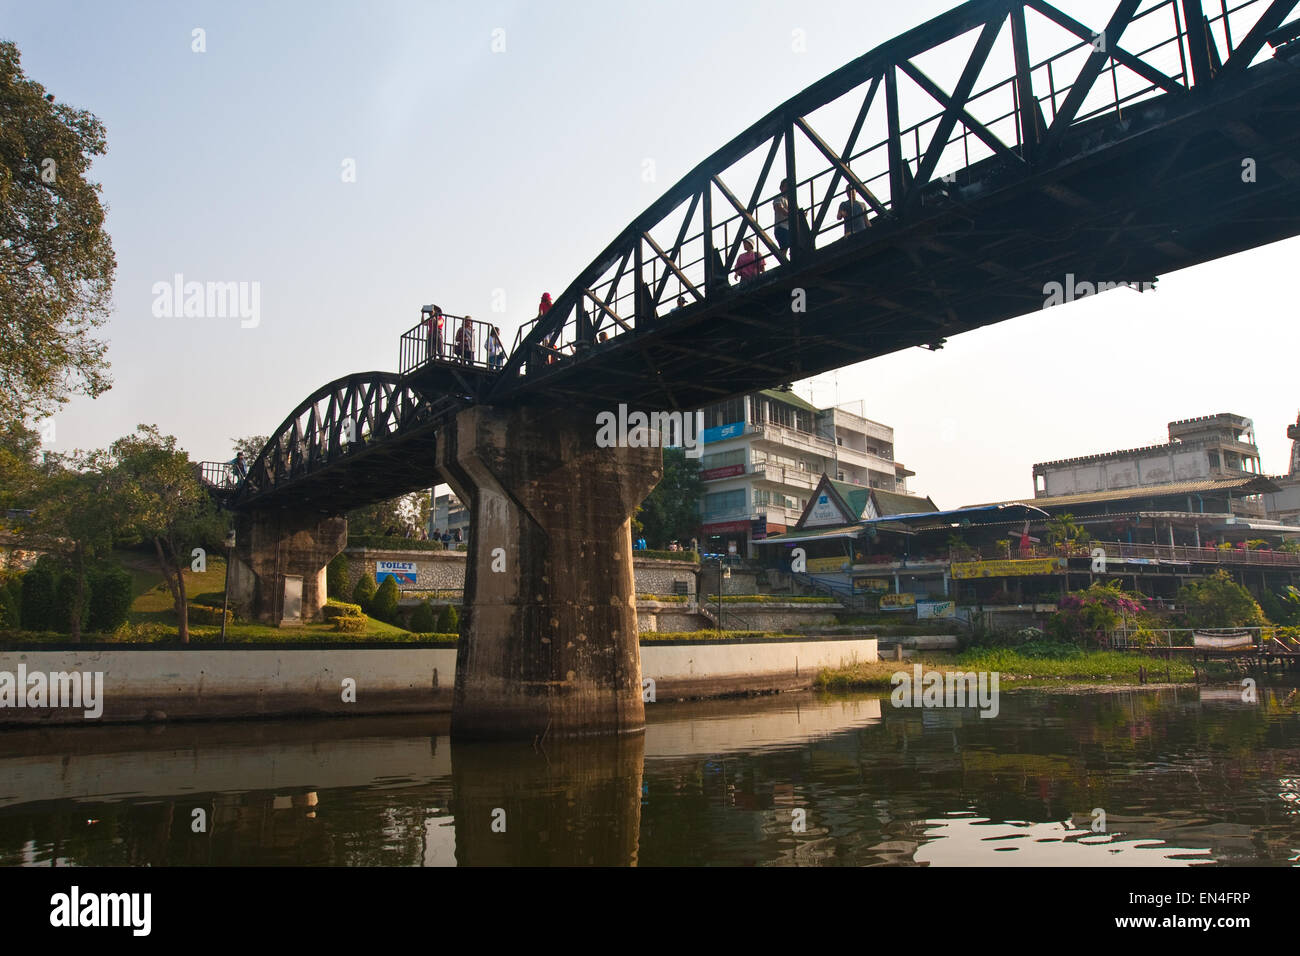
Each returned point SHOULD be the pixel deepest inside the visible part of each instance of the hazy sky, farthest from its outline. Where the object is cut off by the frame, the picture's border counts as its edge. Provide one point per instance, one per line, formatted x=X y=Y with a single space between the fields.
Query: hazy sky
x=479 y=170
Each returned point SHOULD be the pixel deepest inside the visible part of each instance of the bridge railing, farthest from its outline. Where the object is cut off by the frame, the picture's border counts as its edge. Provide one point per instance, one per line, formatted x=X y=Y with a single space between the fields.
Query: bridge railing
x=461 y=341
x=981 y=125
x=218 y=475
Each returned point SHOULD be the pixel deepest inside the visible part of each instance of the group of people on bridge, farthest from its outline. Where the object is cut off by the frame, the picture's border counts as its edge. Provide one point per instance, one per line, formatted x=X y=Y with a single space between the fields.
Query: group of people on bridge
x=463 y=347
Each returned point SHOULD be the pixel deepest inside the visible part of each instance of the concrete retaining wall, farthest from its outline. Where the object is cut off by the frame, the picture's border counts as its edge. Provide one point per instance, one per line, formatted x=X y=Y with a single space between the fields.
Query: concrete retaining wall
x=145 y=684
x=445 y=570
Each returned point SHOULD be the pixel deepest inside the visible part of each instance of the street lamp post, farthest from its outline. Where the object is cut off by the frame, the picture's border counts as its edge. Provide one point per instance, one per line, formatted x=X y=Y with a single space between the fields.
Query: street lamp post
x=225 y=596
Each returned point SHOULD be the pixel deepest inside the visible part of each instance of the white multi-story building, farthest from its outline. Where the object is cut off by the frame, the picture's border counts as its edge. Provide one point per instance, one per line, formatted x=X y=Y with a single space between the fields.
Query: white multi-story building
x=448 y=515
x=763 y=454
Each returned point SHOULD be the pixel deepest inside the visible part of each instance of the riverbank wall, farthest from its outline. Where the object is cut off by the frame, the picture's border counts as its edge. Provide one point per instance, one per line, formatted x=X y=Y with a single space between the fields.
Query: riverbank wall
x=115 y=684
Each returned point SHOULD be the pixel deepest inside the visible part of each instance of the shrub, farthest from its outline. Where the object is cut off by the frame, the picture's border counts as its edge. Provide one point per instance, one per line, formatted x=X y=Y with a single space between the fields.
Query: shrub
x=350 y=625
x=1080 y=615
x=336 y=609
x=11 y=591
x=384 y=605
x=38 y=597
x=448 y=620
x=422 y=618
x=364 y=592
x=110 y=599
x=1219 y=601
x=202 y=614
x=336 y=577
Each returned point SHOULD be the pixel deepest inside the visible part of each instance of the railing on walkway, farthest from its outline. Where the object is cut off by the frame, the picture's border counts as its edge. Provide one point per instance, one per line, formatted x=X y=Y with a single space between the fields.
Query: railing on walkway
x=979 y=127
x=1270 y=637
x=458 y=341
x=219 y=475
x=1120 y=550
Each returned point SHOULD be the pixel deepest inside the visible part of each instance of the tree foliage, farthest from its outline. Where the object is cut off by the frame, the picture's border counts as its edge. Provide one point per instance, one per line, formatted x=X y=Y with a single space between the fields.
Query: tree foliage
x=1219 y=601
x=1082 y=615
x=363 y=594
x=161 y=501
x=56 y=259
x=448 y=620
x=672 y=510
x=384 y=604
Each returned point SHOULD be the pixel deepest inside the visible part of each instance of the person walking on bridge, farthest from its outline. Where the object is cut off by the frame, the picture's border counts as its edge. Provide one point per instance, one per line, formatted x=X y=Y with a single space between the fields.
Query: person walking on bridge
x=749 y=263
x=853 y=212
x=496 y=353
x=465 y=342
x=781 y=207
x=433 y=332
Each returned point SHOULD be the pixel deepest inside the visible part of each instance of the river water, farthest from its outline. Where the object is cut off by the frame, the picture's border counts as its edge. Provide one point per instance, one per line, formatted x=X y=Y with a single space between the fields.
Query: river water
x=1174 y=777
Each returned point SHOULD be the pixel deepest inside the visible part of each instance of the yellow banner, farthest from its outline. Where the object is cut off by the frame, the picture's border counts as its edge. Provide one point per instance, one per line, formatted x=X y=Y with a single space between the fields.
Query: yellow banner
x=1007 y=569
x=861 y=585
x=827 y=564
x=897 y=602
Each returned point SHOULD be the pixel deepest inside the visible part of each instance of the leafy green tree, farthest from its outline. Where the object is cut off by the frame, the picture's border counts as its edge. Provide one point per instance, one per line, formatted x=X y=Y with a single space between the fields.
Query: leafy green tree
x=75 y=519
x=1081 y=615
x=448 y=620
x=364 y=593
x=1062 y=531
x=422 y=620
x=110 y=598
x=56 y=259
x=39 y=585
x=336 y=577
x=405 y=512
x=1219 y=601
x=384 y=605
x=160 y=500
x=672 y=510
x=20 y=469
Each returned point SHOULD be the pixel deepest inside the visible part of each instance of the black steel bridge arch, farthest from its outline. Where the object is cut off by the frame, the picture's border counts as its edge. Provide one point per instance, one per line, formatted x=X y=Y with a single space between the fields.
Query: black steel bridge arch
x=1110 y=151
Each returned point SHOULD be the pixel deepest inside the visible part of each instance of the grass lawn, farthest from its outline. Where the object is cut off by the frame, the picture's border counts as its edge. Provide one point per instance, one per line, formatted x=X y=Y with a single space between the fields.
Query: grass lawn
x=1069 y=666
x=153 y=617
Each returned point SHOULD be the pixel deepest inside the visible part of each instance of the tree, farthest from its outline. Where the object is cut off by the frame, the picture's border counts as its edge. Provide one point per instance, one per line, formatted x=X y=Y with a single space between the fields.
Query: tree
x=1080 y=615
x=56 y=259
x=422 y=619
x=672 y=511
x=448 y=620
x=363 y=594
x=405 y=512
x=1063 y=532
x=160 y=500
x=336 y=577
x=1219 y=601
x=384 y=604
x=250 y=445
x=20 y=468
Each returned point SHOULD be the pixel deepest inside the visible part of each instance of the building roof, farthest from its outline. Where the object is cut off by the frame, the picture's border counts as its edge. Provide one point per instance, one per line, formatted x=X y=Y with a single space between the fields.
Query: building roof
x=855 y=496
x=892 y=503
x=788 y=398
x=1250 y=484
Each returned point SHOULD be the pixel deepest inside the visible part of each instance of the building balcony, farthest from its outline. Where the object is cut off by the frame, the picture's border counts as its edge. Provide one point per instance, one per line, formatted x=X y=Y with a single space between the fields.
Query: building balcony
x=784 y=476
x=789 y=438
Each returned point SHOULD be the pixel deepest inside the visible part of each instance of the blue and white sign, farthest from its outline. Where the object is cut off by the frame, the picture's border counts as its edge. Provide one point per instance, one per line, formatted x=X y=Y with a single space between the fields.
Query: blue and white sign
x=403 y=572
x=723 y=431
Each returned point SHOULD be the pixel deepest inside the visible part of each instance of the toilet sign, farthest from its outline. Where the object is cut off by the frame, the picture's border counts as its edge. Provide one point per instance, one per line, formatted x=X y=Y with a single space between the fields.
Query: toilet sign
x=402 y=572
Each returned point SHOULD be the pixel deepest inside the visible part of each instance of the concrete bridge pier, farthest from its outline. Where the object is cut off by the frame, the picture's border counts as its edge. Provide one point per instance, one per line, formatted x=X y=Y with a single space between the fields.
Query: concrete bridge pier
x=549 y=643
x=273 y=546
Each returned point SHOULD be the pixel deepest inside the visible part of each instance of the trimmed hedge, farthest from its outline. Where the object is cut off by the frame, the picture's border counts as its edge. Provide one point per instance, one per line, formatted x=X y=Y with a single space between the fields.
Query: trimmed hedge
x=110 y=599
x=336 y=609
x=350 y=625
x=448 y=620
x=364 y=592
x=422 y=618
x=336 y=577
x=687 y=557
x=38 y=605
x=202 y=614
x=384 y=605
x=379 y=542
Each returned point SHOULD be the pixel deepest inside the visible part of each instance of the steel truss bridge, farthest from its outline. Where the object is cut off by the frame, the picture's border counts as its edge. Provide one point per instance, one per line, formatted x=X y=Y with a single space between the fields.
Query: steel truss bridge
x=995 y=150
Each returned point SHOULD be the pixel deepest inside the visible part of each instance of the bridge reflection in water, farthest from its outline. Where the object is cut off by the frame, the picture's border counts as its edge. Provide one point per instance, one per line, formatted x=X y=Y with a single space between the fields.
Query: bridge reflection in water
x=707 y=783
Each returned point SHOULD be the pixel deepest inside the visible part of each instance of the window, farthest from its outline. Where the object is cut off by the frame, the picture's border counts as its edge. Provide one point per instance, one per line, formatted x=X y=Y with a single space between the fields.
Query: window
x=723 y=459
x=721 y=502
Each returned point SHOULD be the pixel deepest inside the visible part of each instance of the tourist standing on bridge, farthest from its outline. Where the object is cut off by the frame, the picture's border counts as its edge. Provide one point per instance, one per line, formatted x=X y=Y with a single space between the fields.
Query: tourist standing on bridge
x=465 y=342
x=781 y=206
x=749 y=263
x=496 y=353
x=433 y=332
x=853 y=212
x=238 y=467
x=542 y=308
